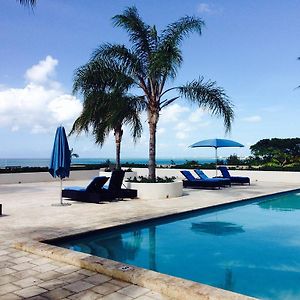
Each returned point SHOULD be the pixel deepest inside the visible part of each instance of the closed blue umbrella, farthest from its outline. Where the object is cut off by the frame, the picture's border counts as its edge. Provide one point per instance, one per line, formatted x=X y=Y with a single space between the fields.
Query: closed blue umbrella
x=217 y=143
x=61 y=157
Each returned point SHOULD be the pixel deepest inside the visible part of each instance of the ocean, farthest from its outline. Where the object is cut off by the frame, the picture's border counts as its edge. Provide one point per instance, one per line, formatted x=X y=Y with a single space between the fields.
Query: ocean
x=44 y=162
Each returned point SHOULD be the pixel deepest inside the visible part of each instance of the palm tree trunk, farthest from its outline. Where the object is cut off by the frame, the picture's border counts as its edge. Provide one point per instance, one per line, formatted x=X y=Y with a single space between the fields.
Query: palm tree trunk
x=118 y=139
x=152 y=120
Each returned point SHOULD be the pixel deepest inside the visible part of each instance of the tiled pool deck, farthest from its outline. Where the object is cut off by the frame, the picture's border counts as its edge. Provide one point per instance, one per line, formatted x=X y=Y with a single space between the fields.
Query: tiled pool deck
x=28 y=215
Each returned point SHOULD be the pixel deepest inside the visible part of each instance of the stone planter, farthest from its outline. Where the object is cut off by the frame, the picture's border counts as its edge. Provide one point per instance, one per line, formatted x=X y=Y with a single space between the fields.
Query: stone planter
x=157 y=190
x=126 y=176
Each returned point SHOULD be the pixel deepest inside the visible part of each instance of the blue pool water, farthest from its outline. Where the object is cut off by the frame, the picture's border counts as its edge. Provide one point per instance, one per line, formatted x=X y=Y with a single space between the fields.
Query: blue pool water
x=253 y=249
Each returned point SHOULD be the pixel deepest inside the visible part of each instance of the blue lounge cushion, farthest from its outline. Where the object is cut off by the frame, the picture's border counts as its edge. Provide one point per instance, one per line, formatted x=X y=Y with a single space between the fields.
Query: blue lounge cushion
x=234 y=179
x=203 y=176
x=75 y=188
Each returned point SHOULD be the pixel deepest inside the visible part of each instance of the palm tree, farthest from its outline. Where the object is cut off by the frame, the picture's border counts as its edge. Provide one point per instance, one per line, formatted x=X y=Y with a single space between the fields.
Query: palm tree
x=107 y=105
x=30 y=3
x=152 y=61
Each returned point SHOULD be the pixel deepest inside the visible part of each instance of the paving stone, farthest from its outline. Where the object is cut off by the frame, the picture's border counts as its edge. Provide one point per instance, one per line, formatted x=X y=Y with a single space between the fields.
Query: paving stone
x=20 y=260
x=42 y=261
x=87 y=272
x=4 y=258
x=156 y=296
x=10 y=296
x=144 y=297
x=67 y=269
x=119 y=282
x=18 y=254
x=44 y=268
x=38 y=298
x=6 y=264
x=72 y=277
x=86 y=295
x=133 y=291
x=8 y=288
x=79 y=286
x=29 y=281
x=48 y=275
x=25 y=274
x=97 y=279
x=6 y=271
x=51 y=284
x=4 y=252
x=106 y=288
x=57 y=294
x=30 y=291
x=116 y=296
x=23 y=266
x=7 y=279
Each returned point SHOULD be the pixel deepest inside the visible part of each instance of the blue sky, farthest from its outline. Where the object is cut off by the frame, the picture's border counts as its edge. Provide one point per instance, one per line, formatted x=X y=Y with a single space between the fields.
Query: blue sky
x=248 y=47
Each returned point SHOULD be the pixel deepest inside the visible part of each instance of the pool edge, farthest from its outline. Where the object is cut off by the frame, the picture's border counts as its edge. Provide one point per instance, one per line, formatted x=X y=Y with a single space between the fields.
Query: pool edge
x=171 y=286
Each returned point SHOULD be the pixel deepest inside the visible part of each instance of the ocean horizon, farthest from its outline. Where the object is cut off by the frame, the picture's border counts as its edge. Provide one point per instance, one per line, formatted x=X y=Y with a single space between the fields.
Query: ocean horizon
x=44 y=162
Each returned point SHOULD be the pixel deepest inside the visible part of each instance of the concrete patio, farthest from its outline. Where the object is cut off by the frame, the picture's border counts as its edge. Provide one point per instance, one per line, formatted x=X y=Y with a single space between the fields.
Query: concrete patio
x=28 y=215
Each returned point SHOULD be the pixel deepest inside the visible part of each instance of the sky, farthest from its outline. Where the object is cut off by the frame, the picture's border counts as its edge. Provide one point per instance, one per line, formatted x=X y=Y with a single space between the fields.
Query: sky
x=249 y=48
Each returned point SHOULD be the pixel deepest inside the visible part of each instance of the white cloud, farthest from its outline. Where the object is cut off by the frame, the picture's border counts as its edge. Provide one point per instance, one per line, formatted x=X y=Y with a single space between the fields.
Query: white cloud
x=42 y=71
x=197 y=115
x=172 y=113
x=203 y=8
x=252 y=119
x=161 y=131
x=182 y=130
x=40 y=105
x=182 y=135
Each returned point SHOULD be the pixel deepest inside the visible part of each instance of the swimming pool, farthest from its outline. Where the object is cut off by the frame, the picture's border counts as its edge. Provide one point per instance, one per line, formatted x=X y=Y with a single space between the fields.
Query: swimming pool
x=251 y=248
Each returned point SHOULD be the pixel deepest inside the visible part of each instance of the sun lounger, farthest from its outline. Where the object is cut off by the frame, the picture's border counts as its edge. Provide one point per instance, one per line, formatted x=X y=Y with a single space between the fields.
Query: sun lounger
x=193 y=182
x=203 y=176
x=234 y=179
x=95 y=192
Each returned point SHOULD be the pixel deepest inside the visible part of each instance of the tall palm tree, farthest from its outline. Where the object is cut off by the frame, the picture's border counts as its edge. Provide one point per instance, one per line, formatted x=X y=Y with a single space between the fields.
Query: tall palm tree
x=107 y=105
x=153 y=60
x=30 y=3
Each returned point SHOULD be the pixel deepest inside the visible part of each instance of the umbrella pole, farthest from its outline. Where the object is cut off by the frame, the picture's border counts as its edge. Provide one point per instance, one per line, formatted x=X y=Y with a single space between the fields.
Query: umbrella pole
x=216 y=161
x=61 y=201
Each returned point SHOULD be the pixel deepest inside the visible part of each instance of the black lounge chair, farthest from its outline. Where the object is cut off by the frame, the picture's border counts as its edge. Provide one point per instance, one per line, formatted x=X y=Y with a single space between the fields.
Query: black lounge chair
x=193 y=182
x=95 y=192
x=203 y=176
x=234 y=179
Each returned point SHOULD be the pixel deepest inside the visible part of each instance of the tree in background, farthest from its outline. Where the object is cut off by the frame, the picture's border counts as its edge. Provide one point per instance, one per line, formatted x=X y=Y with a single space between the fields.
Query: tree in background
x=107 y=106
x=153 y=61
x=277 y=151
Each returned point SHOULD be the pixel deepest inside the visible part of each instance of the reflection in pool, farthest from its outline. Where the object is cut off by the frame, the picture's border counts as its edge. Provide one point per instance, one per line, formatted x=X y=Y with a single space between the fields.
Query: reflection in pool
x=252 y=249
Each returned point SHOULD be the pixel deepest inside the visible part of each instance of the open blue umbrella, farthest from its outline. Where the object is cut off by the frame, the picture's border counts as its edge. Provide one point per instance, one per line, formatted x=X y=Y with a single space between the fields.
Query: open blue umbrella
x=216 y=143
x=61 y=157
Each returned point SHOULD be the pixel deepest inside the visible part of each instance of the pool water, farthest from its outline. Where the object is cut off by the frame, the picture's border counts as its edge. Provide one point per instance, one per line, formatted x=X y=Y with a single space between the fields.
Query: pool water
x=253 y=248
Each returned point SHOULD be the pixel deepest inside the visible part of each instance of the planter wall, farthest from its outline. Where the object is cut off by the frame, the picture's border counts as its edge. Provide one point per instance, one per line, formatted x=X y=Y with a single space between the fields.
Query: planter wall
x=126 y=176
x=157 y=190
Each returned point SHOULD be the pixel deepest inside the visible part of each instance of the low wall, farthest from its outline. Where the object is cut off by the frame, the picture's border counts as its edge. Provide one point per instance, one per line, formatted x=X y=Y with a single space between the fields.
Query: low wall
x=269 y=176
x=44 y=176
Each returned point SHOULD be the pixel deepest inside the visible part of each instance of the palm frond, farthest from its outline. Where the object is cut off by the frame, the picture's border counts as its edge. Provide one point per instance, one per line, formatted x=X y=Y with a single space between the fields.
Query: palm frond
x=120 y=55
x=177 y=31
x=211 y=97
x=139 y=32
x=30 y=3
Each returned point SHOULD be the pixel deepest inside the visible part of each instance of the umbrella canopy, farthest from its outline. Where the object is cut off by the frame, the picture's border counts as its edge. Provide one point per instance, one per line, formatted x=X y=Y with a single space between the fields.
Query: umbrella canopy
x=61 y=157
x=216 y=143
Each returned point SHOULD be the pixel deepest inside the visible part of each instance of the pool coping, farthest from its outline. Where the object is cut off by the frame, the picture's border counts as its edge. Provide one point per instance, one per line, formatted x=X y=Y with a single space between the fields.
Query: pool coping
x=174 y=287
